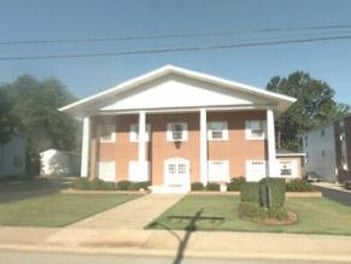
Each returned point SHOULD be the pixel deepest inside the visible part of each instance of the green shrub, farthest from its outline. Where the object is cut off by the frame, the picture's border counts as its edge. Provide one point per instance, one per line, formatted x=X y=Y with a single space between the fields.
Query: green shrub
x=251 y=211
x=272 y=192
x=136 y=186
x=123 y=185
x=298 y=185
x=347 y=185
x=235 y=184
x=279 y=213
x=249 y=192
x=197 y=186
x=81 y=184
x=213 y=186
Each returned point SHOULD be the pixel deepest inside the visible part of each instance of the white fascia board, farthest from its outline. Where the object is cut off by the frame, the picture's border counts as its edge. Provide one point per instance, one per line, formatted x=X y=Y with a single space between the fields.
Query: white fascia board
x=282 y=100
x=120 y=87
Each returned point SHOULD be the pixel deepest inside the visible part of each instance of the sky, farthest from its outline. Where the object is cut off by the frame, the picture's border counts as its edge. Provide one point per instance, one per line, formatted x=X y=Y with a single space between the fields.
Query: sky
x=233 y=21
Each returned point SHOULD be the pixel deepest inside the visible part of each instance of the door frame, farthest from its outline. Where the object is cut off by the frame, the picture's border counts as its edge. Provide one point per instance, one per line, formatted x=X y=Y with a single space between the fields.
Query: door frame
x=184 y=178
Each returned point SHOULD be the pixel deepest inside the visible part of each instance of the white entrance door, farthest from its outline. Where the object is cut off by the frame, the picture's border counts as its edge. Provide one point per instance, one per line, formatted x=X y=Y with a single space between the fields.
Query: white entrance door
x=177 y=175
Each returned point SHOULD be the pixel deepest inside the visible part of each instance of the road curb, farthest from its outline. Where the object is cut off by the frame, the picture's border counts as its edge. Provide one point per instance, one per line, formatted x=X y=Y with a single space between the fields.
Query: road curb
x=135 y=251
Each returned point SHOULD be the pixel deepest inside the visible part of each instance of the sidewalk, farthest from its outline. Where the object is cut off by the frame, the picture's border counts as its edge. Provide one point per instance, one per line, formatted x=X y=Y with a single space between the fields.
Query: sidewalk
x=120 y=231
x=180 y=243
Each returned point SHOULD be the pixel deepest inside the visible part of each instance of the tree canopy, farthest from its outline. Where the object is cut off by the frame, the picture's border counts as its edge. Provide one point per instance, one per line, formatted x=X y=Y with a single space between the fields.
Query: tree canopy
x=315 y=105
x=32 y=106
x=6 y=120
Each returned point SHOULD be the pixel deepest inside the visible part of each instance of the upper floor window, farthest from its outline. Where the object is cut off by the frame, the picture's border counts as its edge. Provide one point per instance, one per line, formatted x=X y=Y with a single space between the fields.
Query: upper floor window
x=134 y=133
x=177 y=131
x=217 y=130
x=255 y=129
x=107 y=133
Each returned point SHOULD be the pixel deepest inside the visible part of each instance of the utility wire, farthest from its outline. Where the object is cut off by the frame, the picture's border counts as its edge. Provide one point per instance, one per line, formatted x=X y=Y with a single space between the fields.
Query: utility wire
x=180 y=35
x=180 y=49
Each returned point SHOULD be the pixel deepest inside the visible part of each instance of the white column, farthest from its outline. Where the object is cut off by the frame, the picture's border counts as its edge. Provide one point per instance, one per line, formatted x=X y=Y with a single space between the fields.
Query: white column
x=203 y=147
x=271 y=144
x=85 y=147
x=142 y=167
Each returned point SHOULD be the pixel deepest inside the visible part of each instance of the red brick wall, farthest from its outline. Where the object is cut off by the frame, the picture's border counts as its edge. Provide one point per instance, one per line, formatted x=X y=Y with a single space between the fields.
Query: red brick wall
x=236 y=149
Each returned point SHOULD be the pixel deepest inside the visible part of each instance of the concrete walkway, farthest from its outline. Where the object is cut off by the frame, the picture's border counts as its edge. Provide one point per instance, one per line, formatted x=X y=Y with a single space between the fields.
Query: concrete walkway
x=135 y=214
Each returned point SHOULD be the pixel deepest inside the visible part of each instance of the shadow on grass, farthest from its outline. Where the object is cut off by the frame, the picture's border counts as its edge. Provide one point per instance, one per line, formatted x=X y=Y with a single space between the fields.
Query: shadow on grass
x=20 y=190
x=190 y=228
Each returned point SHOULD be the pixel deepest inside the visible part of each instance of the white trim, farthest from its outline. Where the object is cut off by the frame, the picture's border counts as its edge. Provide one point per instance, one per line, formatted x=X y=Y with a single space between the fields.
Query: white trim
x=272 y=162
x=255 y=173
x=169 y=134
x=211 y=108
x=214 y=175
x=85 y=147
x=107 y=171
x=135 y=171
x=210 y=130
x=111 y=128
x=143 y=170
x=283 y=100
x=203 y=147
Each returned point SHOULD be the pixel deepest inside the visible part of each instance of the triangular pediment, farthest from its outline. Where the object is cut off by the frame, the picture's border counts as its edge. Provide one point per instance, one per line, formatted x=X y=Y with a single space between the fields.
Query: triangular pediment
x=175 y=91
x=171 y=87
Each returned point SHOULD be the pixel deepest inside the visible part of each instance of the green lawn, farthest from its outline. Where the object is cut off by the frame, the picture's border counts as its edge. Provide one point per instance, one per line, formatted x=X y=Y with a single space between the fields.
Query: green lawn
x=56 y=210
x=315 y=216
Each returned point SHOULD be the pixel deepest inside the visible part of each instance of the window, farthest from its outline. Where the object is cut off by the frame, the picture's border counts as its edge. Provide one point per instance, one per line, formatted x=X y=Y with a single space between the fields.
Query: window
x=217 y=130
x=134 y=133
x=255 y=129
x=322 y=133
x=177 y=132
x=285 y=168
x=107 y=171
x=218 y=171
x=139 y=172
x=288 y=168
x=255 y=170
x=107 y=133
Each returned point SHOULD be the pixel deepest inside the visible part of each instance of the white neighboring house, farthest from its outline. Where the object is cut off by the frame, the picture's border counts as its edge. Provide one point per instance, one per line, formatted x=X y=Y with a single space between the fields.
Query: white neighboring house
x=13 y=156
x=319 y=146
x=58 y=162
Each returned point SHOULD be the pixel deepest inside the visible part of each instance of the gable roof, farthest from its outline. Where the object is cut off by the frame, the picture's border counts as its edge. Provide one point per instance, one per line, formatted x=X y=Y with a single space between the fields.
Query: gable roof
x=283 y=102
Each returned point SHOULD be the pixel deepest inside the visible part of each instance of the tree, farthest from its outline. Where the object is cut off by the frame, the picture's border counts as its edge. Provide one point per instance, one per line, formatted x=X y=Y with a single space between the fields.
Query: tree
x=315 y=105
x=34 y=104
x=6 y=120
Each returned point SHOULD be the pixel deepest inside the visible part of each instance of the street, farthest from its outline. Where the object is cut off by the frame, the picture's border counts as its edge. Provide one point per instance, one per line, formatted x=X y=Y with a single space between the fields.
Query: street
x=17 y=257
x=338 y=196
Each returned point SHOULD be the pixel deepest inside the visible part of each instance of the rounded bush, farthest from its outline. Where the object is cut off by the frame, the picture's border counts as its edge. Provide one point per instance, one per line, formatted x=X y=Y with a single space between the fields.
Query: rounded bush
x=235 y=184
x=298 y=185
x=197 y=186
x=123 y=185
x=213 y=186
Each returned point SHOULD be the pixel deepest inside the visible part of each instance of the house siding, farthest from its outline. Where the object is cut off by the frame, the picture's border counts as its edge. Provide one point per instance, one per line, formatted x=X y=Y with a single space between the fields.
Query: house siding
x=343 y=173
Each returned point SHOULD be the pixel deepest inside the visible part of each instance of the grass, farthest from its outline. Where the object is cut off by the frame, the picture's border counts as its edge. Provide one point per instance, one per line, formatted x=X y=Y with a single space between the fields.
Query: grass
x=315 y=216
x=56 y=210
